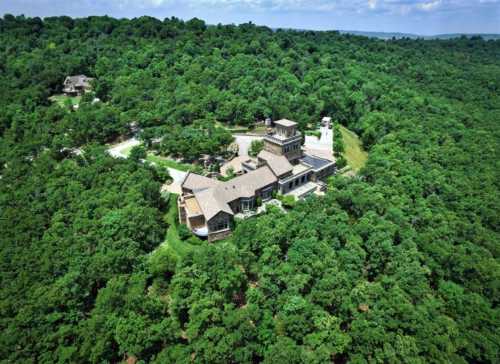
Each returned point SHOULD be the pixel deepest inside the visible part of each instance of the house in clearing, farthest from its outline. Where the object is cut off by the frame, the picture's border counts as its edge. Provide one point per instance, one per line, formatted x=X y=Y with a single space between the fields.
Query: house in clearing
x=77 y=85
x=208 y=206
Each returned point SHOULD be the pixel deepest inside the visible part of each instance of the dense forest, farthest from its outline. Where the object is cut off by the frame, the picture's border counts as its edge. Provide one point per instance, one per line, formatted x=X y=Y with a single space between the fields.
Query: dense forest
x=398 y=264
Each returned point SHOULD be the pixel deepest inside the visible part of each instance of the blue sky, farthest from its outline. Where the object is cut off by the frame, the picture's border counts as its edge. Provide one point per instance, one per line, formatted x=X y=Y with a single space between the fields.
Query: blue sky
x=424 y=17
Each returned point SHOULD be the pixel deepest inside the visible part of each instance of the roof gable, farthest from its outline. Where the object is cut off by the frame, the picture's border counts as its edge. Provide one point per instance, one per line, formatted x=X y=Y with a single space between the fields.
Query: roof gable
x=194 y=181
x=279 y=164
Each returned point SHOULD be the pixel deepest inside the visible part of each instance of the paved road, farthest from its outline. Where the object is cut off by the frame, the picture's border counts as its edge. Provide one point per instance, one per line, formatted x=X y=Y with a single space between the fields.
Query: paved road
x=177 y=175
x=118 y=149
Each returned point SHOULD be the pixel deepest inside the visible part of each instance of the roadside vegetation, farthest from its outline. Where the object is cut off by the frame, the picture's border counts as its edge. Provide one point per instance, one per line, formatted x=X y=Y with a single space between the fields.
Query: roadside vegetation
x=399 y=265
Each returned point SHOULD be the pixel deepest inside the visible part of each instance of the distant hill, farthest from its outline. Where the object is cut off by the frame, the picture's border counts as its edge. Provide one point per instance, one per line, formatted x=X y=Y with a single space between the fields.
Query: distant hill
x=389 y=35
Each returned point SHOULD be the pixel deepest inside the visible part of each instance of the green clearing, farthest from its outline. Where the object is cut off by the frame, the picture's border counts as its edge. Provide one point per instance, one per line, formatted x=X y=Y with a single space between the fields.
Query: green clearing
x=316 y=133
x=355 y=155
x=61 y=99
x=169 y=163
x=232 y=128
x=172 y=240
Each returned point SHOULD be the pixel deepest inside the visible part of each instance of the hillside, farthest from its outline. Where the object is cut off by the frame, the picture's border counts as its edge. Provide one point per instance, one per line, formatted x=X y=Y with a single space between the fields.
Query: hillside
x=397 y=35
x=399 y=264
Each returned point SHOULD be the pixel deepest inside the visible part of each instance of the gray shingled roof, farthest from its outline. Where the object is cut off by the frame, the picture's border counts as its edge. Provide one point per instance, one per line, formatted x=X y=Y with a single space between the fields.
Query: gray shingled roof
x=194 y=181
x=246 y=184
x=214 y=199
x=79 y=80
x=278 y=163
x=210 y=204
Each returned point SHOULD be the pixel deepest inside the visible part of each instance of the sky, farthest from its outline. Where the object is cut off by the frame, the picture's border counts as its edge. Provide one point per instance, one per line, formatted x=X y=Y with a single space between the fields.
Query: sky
x=424 y=17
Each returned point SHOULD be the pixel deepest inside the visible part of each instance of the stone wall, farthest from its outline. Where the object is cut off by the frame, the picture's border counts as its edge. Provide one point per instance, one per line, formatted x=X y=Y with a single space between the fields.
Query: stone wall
x=218 y=235
x=272 y=148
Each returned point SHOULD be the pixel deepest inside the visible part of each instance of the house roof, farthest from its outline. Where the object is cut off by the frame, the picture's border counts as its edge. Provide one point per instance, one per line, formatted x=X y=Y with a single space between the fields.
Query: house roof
x=285 y=122
x=214 y=199
x=210 y=204
x=79 y=80
x=279 y=164
x=315 y=162
x=194 y=181
x=246 y=184
x=72 y=82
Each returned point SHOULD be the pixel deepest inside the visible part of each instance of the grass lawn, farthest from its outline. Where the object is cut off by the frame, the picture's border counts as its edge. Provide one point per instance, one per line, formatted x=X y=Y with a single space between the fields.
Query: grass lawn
x=232 y=128
x=165 y=162
x=355 y=155
x=172 y=240
x=61 y=99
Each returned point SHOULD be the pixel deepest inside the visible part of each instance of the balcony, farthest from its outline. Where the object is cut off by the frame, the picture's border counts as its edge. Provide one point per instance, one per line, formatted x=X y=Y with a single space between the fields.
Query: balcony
x=282 y=140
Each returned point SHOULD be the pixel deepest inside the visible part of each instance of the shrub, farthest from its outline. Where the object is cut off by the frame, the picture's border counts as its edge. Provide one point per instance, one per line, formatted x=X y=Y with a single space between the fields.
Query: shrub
x=255 y=147
x=184 y=232
x=137 y=153
x=287 y=201
x=341 y=162
x=258 y=201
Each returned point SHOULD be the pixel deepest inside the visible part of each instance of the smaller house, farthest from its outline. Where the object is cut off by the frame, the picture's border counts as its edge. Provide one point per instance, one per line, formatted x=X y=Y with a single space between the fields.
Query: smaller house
x=77 y=85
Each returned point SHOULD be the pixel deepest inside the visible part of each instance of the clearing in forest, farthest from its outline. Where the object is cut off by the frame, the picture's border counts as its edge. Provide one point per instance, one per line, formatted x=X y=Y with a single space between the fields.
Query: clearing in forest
x=172 y=240
x=61 y=99
x=354 y=153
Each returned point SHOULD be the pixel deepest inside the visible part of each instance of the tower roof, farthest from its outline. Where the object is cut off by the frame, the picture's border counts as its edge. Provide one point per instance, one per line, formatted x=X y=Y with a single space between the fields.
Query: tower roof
x=285 y=122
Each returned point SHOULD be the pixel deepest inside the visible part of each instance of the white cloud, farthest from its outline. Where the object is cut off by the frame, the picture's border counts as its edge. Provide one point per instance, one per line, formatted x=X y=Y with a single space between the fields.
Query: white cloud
x=354 y=6
x=429 y=6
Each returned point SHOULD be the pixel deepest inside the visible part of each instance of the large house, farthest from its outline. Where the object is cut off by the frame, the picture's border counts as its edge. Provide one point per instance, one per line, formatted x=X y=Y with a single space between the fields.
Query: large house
x=77 y=85
x=208 y=206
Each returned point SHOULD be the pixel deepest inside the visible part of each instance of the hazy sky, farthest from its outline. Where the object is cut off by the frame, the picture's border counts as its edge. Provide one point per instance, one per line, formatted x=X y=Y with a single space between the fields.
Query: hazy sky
x=413 y=16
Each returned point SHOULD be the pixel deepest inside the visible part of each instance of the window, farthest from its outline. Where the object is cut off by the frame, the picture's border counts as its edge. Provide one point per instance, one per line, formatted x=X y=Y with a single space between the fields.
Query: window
x=267 y=193
x=303 y=178
x=290 y=185
x=221 y=225
x=246 y=204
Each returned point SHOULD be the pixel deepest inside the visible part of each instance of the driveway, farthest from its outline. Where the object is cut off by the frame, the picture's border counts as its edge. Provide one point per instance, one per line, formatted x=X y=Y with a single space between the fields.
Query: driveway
x=321 y=147
x=177 y=178
x=244 y=142
x=323 y=143
x=122 y=149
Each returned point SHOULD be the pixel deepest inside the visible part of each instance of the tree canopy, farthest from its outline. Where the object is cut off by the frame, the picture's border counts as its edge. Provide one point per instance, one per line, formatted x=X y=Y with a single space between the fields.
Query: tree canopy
x=397 y=264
